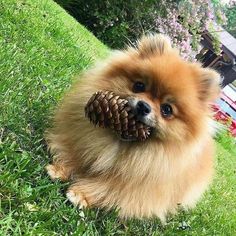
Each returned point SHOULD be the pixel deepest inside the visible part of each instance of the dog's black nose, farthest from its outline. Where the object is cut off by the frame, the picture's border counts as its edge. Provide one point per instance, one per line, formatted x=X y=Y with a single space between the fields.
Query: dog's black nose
x=143 y=108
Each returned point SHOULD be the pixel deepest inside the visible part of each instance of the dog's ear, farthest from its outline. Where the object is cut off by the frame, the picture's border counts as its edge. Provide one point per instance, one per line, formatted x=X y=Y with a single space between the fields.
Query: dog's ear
x=208 y=84
x=157 y=44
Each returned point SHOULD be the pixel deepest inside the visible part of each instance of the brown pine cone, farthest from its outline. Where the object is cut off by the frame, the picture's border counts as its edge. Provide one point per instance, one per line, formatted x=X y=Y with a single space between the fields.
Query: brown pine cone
x=107 y=110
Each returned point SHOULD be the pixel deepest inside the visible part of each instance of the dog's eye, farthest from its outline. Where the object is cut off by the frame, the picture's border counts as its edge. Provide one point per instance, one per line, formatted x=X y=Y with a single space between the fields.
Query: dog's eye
x=166 y=110
x=139 y=87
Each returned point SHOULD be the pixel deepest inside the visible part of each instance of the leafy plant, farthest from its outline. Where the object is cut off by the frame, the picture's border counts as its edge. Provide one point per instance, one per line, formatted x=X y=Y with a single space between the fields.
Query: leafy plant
x=230 y=13
x=120 y=22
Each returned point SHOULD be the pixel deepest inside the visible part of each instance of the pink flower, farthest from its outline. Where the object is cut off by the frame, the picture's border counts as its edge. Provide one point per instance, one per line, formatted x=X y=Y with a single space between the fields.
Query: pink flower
x=184 y=22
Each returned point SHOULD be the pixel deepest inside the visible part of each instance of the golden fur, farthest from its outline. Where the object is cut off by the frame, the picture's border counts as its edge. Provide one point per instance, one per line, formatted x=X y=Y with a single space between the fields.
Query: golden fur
x=140 y=179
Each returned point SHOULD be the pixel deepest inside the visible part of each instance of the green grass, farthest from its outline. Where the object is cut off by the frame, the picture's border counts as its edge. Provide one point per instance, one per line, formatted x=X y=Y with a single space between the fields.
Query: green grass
x=41 y=49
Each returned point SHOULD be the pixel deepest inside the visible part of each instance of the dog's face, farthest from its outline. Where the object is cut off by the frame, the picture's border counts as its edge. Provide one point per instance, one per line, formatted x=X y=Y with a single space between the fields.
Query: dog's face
x=165 y=92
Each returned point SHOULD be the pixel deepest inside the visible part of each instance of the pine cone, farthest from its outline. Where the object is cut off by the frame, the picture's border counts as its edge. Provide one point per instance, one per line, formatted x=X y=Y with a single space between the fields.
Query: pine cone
x=107 y=110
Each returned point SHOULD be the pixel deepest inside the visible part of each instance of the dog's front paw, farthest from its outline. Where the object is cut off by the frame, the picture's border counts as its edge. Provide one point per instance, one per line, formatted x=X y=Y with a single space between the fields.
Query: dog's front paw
x=56 y=172
x=77 y=198
x=53 y=172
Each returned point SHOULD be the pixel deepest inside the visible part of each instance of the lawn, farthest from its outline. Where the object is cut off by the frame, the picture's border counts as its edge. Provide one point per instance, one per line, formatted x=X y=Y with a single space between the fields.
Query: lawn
x=42 y=48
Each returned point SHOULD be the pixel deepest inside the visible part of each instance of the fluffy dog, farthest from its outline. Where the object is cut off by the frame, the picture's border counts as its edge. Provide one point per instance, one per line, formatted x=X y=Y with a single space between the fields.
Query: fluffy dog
x=140 y=179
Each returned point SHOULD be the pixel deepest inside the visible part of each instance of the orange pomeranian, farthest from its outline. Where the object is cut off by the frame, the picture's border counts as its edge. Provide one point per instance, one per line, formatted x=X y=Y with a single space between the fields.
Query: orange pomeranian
x=140 y=179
